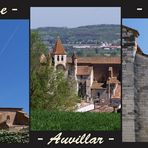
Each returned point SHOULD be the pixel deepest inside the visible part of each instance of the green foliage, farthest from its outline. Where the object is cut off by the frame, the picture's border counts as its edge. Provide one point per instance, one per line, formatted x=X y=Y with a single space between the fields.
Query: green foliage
x=14 y=137
x=71 y=121
x=37 y=48
x=49 y=89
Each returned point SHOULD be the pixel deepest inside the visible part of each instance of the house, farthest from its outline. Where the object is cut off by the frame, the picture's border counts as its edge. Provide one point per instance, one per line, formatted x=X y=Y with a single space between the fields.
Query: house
x=96 y=77
x=13 y=119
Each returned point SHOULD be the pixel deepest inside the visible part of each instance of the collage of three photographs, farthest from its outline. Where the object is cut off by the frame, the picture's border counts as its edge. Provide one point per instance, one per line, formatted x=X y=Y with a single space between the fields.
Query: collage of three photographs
x=74 y=69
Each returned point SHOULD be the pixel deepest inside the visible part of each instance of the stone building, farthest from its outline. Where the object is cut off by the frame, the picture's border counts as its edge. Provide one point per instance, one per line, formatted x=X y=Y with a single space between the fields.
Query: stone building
x=13 y=119
x=134 y=88
x=96 y=77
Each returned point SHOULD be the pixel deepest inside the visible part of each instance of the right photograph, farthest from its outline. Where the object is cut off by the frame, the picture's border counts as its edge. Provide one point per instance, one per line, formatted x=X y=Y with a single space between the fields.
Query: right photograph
x=134 y=80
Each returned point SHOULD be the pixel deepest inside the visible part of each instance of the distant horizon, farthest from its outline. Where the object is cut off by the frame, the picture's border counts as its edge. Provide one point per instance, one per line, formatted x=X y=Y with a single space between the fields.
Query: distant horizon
x=73 y=27
x=73 y=17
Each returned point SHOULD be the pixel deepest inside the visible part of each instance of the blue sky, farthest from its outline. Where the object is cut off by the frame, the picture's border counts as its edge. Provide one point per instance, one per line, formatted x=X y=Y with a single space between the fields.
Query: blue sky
x=14 y=63
x=141 y=25
x=73 y=16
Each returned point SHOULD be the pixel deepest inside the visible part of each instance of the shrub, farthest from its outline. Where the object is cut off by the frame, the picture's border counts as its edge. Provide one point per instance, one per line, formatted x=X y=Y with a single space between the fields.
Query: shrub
x=14 y=137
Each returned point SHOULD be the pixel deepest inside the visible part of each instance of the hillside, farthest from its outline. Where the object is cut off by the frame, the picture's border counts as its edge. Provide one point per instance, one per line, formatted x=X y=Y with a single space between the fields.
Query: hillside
x=91 y=34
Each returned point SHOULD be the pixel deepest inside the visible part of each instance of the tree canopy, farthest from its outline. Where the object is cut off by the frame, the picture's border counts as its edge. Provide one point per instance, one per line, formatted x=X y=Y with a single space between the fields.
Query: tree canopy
x=49 y=88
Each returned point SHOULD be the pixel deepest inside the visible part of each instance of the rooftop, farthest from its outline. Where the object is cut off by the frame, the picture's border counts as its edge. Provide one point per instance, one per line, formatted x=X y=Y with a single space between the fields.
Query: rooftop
x=84 y=70
x=97 y=85
x=96 y=60
x=10 y=108
x=59 y=49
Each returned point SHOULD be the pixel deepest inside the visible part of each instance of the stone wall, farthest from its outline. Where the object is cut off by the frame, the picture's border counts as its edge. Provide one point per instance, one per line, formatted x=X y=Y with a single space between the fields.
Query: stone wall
x=128 y=104
x=8 y=114
x=134 y=89
x=141 y=97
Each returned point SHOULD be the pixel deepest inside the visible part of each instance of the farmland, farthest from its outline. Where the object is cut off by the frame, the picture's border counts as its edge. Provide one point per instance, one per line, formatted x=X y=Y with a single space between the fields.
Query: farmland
x=71 y=121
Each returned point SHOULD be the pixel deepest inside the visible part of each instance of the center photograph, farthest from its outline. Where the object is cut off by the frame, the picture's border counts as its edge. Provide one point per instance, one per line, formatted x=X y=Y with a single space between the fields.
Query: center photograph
x=75 y=69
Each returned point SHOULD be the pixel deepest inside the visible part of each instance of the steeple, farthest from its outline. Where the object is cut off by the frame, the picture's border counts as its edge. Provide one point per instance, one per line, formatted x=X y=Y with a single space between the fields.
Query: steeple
x=59 y=55
x=59 y=49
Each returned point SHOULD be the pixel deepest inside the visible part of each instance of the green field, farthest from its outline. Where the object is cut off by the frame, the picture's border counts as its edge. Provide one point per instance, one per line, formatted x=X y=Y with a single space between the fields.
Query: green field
x=72 y=121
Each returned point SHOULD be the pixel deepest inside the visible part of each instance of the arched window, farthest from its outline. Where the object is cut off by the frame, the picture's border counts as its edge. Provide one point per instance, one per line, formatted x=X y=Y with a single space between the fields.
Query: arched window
x=62 y=58
x=57 y=58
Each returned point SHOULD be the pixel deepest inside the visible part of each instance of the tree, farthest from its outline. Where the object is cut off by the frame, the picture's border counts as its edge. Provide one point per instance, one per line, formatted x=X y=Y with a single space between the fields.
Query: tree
x=37 y=48
x=49 y=89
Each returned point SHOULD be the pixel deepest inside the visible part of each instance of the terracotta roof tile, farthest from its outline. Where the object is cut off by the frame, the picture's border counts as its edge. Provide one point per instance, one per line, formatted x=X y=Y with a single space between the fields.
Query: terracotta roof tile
x=97 y=85
x=84 y=70
x=97 y=60
x=58 y=49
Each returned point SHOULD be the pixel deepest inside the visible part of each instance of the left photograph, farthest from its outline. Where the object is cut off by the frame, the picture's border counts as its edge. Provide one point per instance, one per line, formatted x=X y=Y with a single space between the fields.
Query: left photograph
x=14 y=81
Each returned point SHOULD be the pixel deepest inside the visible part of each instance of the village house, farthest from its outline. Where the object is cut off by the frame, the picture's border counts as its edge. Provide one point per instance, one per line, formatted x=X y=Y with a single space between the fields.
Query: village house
x=97 y=78
x=13 y=119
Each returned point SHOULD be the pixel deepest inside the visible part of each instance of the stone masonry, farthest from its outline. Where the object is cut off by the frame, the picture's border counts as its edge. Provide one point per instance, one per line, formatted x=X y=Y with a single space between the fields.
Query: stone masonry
x=134 y=88
x=141 y=97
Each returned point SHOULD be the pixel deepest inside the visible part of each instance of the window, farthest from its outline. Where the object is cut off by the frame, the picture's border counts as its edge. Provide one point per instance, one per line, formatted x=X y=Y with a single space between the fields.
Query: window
x=8 y=117
x=62 y=58
x=53 y=60
x=58 y=58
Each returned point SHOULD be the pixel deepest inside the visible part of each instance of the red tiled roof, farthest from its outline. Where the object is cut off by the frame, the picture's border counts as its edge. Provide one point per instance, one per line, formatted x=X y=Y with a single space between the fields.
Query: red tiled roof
x=97 y=85
x=97 y=60
x=58 y=49
x=84 y=70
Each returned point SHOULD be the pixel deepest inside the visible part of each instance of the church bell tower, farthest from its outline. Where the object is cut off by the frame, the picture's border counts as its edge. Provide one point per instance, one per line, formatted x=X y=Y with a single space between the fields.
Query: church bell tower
x=59 y=56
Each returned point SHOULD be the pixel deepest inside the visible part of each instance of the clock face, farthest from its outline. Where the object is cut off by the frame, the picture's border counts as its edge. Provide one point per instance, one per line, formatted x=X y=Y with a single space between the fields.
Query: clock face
x=60 y=67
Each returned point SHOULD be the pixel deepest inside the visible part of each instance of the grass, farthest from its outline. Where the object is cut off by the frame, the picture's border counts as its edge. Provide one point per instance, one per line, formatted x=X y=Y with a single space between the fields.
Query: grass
x=42 y=120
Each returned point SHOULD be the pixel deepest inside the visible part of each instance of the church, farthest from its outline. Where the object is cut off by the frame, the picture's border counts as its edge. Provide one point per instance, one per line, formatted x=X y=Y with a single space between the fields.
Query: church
x=97 y=78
